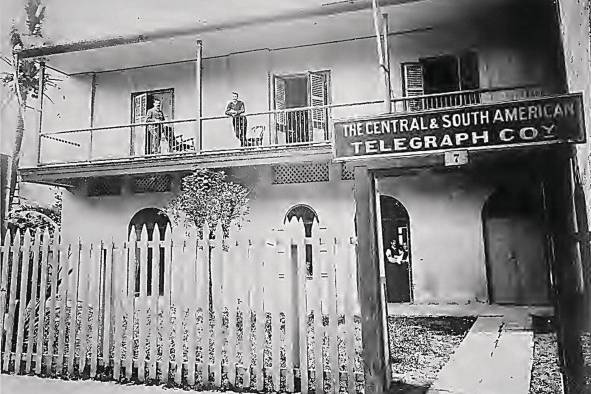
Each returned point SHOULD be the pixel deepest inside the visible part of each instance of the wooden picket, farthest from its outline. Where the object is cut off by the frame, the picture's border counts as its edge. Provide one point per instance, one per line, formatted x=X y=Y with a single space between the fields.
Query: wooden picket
x=232 y=311
x=44 y=281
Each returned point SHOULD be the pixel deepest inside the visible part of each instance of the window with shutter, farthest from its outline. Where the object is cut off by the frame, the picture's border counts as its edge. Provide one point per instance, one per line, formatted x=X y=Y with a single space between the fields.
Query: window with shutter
x=140 y=108
x=318 y=96
x=413 y=84
x=280 y=99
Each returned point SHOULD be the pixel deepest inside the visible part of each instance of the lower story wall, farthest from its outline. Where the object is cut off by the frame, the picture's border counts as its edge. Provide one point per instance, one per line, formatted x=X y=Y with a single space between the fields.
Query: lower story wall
x=446 y=235
x=445 y=210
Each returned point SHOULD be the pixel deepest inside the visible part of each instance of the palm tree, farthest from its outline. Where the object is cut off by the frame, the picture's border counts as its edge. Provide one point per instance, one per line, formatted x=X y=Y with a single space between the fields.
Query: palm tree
x=23 y=82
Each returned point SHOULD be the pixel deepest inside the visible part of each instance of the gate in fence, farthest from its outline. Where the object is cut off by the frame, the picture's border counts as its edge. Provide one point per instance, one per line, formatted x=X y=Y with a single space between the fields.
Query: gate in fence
x=201 y=312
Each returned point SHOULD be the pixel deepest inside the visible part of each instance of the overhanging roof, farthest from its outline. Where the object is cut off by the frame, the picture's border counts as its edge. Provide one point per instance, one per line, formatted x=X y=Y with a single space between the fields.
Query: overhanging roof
x=314 y=22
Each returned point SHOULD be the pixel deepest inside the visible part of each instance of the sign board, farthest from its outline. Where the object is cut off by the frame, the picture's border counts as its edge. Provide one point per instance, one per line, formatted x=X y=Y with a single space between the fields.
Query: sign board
x=456 y=158
x=555 y=119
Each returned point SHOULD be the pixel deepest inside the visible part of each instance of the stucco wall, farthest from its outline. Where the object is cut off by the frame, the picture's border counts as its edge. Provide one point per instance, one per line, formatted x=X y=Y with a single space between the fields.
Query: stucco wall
x=510 y=53
x=92 y=219
x=448 y=258
x=447 y=247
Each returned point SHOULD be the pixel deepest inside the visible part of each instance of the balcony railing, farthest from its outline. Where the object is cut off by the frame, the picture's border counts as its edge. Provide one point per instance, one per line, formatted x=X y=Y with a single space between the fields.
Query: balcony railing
x=304 y=126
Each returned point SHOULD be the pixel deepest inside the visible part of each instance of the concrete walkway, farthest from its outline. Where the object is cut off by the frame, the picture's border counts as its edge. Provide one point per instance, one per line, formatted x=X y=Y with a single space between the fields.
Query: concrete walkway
x=495 y=357
x=12 y=384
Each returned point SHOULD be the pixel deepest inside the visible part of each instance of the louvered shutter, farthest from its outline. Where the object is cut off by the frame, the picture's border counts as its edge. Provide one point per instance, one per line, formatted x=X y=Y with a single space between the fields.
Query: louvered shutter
x=413 y=85
x=318 y=85
x=279 y=95
x=140 y=108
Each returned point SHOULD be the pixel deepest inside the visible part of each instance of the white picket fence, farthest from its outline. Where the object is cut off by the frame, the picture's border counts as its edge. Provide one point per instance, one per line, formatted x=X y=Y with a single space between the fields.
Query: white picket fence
x=75 y=310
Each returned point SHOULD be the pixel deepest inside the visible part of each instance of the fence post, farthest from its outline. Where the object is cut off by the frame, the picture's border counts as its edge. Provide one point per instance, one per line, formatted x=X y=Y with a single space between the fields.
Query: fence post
x=295 y=230
x=4 y=295
x=42 y=297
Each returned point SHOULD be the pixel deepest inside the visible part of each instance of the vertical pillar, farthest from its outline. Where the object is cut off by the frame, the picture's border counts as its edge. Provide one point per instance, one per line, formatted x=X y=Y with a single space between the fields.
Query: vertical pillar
x=385 y=31
x=368 y=285
x=199 y=91
x=91 y=120
x=566 y=267
x=37 y=140
x=377 y=20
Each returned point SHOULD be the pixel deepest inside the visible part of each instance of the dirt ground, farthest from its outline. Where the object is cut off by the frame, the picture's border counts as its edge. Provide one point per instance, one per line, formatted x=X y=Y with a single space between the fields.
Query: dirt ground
x=420 y=347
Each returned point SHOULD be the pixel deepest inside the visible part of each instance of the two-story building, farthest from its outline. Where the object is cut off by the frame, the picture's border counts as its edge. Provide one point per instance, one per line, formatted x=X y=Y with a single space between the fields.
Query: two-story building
x=468 y=211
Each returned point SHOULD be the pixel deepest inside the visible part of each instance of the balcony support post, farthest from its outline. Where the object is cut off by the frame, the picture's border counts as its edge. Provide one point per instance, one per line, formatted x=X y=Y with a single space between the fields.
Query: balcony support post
x=91 y=122
x=378 y=23
x=368 y=284
x=199 y=91
x=386 y=68
x=41 y=92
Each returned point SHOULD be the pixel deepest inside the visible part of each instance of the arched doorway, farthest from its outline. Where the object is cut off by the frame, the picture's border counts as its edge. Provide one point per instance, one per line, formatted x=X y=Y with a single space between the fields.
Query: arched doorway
x=514 y=240
x=395 y=224
x=149 y=217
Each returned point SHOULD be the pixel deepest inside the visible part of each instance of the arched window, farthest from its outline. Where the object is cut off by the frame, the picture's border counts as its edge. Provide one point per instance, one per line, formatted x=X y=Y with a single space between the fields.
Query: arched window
x=149 y=217
x=308 y=216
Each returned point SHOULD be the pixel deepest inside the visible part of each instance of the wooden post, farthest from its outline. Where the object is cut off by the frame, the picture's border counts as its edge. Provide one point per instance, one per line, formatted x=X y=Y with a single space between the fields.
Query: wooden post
x=387 y=69
x=377 y=17
x=92 y=98
x=37 y=140
x=568 y=296
x=368 y=285
x=199 y=90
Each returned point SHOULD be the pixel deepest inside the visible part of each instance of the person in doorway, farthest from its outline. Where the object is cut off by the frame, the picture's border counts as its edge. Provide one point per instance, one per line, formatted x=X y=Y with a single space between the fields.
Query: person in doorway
x=236 y=109
x=396 y=253
x=154 y=132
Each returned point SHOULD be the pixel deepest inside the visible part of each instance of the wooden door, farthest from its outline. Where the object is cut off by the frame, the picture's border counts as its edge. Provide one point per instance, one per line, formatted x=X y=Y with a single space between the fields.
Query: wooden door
x=517 y=267
x=138 y=134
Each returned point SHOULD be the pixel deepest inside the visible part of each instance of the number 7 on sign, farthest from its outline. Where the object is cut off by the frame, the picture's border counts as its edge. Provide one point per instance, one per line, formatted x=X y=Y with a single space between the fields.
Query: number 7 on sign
x=456 y=158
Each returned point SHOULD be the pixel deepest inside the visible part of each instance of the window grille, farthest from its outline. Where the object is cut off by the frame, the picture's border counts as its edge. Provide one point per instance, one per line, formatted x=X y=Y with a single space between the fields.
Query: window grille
x=154 y=183
x=347 y=172
x=300 y=173
x=104 y=187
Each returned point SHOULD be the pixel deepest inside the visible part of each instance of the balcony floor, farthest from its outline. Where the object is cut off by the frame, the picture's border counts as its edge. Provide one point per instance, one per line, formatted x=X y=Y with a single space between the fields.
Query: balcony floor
x=61 y=173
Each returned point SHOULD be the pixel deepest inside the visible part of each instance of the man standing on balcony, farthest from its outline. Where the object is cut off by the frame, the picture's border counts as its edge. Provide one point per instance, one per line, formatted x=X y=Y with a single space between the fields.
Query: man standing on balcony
x=236 y=109
x=154 y=132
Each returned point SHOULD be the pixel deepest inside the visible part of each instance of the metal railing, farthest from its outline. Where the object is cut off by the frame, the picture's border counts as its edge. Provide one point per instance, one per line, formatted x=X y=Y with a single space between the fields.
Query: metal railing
x=304 y=126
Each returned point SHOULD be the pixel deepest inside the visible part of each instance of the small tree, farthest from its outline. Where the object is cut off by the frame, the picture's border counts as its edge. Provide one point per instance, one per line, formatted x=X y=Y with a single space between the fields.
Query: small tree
x=207 y=196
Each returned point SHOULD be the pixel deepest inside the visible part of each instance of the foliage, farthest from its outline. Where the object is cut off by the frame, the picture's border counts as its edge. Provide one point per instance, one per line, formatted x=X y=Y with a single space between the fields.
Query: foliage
x=28 y=70
x=207 y=196
x=28 y=215
x=23 y=80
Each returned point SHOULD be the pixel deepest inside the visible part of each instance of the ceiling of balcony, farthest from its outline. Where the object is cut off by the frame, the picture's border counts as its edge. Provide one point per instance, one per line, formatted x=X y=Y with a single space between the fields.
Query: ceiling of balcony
x=227 y=26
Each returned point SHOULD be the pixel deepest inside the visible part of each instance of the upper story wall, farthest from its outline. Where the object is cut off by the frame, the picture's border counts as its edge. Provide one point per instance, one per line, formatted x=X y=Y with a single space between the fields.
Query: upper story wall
x=511 y=51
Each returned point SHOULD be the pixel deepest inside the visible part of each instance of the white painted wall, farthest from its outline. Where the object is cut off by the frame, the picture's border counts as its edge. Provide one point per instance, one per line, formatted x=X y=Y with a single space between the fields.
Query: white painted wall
x=447 y=247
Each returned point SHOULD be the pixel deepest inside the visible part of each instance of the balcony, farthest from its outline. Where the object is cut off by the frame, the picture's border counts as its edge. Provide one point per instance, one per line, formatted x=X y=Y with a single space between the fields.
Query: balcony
x=294 y=129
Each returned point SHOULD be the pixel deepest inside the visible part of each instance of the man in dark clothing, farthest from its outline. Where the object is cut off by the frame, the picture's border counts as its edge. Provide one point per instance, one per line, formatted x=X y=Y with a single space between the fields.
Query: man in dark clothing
x=236 y=109
x=154 y=132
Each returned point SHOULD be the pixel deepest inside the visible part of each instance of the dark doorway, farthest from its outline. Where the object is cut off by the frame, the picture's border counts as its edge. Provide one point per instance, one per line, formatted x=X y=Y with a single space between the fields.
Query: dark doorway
x=514 y=240
x=396 y=241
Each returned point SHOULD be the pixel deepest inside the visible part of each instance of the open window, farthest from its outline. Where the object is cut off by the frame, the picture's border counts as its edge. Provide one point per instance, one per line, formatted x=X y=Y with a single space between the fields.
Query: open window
x=300 y=91
x=439 y=75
